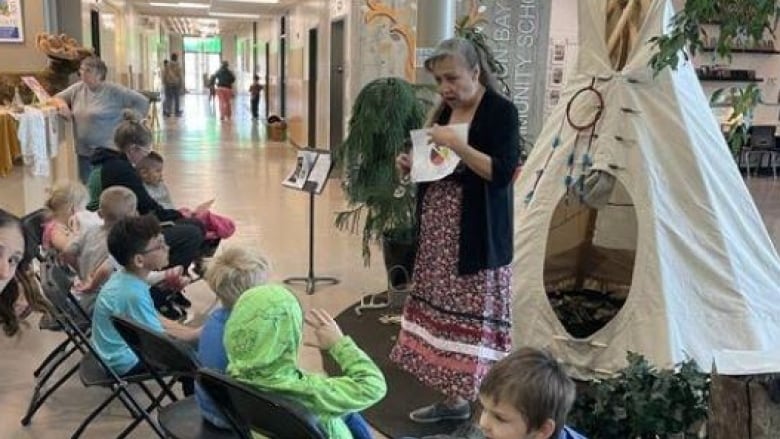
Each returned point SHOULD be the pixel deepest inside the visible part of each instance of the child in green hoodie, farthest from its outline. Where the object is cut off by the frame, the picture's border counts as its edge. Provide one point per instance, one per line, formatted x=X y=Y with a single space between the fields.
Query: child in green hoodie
x=262 y=338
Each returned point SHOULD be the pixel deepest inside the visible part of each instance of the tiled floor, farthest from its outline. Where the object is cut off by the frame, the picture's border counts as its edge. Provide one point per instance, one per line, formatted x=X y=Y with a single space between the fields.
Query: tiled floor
x=232 y=163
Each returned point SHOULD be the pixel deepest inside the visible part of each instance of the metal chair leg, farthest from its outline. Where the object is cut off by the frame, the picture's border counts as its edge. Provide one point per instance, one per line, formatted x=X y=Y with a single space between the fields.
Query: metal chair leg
x=60 y=347
x=37 y=399
x=95 y=413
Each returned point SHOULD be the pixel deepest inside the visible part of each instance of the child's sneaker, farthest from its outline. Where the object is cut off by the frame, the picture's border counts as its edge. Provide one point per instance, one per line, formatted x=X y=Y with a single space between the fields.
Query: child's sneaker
x=440 y=412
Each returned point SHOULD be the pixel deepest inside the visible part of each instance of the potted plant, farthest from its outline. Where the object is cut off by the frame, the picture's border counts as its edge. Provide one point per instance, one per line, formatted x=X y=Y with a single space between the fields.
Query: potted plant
x=385 y=110
x=643 y=402
x=742 y=102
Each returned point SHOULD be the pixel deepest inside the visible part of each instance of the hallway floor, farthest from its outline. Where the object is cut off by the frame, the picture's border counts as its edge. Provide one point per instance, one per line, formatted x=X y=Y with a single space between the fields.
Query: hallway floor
x=234 y=164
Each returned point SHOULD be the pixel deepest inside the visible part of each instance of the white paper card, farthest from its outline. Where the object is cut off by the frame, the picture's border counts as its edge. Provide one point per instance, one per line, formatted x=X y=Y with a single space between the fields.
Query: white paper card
x=433 y=162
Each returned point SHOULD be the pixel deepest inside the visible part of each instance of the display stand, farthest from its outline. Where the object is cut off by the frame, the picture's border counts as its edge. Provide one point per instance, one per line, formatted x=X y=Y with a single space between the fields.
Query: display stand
x=310 y=175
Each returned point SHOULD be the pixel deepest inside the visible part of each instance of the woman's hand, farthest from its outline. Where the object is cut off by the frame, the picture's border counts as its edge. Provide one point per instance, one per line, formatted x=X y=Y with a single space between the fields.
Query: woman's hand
x=446 y=136
x=62 y=107
x=403 y=163
x=326 y=329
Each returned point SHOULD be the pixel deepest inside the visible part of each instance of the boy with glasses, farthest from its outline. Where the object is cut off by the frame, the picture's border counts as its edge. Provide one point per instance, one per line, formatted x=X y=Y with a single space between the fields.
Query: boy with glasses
x=137 y=244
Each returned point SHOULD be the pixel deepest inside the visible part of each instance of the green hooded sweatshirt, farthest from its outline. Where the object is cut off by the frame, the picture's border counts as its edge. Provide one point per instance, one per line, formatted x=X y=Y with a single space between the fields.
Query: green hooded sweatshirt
x=262 y=338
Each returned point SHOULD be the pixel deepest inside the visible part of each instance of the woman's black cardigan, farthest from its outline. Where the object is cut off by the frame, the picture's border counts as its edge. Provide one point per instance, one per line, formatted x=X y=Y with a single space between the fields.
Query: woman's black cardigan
x=486 y=225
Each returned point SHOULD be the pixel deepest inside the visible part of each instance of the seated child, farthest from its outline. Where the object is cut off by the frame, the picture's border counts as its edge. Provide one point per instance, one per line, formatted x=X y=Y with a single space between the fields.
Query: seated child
x=65 y=201
x=137 y=244
x=233 y=272
x=150 y=168
x=90 y=256
x=526 y=395
x=262 y=338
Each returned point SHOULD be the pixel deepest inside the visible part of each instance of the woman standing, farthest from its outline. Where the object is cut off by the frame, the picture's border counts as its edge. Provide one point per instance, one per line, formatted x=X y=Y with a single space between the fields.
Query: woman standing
x=457 y=320
x=96 y=107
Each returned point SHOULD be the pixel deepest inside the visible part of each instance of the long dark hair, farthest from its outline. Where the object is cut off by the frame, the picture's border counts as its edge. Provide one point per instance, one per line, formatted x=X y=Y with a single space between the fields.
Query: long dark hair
x=23 y=282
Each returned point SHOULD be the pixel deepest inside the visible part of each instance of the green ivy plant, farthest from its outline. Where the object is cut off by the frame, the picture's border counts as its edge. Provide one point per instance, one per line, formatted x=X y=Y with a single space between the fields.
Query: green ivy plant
x=643 y=402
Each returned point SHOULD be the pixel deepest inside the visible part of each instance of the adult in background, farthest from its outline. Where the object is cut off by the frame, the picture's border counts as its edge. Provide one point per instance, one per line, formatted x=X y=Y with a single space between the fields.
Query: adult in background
x=224 y=79
x=115 y=166
x=96 y=107
x=456 y=320
x=172 y=84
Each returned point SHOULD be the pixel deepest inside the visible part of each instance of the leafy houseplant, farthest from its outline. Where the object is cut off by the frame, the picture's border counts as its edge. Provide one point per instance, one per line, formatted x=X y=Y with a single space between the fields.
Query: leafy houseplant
x=737 y=20
x=385 y=110
x=641 y=401
x=742 y=101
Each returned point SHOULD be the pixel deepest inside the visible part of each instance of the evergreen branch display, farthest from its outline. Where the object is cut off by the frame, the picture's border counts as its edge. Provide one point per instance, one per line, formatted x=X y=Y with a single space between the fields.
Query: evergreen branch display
x=384 y=113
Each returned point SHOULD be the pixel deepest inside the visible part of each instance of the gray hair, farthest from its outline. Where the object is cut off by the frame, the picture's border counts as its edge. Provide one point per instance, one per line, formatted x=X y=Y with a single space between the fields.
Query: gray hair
x=96 y=65
x=465 y=50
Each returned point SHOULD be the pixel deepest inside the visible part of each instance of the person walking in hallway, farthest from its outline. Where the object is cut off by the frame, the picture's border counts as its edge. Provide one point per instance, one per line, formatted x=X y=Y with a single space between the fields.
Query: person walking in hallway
x=172 y=81
x=224 y=81
x=254 y=92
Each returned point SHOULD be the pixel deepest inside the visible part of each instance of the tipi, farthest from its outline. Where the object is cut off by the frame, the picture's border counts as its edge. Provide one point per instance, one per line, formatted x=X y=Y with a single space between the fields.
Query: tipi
x=631 y=191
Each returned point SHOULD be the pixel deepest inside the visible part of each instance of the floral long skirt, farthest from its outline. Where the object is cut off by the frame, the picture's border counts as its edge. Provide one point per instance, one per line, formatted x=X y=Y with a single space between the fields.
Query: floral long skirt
x=454 y=327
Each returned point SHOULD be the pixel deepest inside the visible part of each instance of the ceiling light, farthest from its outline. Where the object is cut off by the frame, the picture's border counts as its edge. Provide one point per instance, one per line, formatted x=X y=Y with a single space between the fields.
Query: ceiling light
x=180 y=5
x=233 y=15
x=255 y=1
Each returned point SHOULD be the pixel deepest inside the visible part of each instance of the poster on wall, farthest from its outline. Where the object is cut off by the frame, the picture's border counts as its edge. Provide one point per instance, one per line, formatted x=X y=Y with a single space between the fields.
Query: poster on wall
x=561 y=62
x=11 y=30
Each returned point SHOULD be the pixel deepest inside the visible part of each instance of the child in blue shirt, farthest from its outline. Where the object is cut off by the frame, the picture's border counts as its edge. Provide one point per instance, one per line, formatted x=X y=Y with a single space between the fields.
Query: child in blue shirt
x=230 y=274
x=137 y=244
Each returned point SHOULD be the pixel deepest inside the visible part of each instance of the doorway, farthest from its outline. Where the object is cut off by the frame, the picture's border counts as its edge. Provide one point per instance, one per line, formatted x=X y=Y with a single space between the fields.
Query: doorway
x=94 y=21
x=312 y=117
x=336 y=84
x=283 y=66
x=198 y=67
x=267 y=78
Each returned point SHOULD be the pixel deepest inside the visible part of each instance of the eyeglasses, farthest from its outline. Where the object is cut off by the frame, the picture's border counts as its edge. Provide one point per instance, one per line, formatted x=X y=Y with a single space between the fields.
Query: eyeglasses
x=159 y=245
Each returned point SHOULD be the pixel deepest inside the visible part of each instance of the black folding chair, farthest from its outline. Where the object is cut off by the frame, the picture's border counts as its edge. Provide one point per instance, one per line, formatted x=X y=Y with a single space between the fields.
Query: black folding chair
x=247 y=408
x=163 y=356
x=93 y=371
x=50 y=365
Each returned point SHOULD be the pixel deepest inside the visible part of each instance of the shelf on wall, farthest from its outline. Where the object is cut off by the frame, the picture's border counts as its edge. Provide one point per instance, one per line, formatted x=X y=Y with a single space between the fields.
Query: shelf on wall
x=758 y=51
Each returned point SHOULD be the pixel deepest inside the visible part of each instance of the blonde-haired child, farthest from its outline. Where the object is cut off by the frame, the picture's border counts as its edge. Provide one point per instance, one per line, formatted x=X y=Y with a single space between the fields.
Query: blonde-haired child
x=88 y=253
x=230 y=274
x=65 y=201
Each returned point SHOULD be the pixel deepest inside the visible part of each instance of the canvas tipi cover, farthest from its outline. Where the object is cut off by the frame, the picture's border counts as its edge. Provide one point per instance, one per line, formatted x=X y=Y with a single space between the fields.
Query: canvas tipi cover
x=679 y=237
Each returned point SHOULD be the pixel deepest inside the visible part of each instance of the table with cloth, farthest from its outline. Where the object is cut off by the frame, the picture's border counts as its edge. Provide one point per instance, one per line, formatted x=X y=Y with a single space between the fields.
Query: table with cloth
x=44 y=142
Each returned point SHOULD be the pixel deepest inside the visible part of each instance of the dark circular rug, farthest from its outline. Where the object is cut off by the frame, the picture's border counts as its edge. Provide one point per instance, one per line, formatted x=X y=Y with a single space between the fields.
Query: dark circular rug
x=404 y=393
